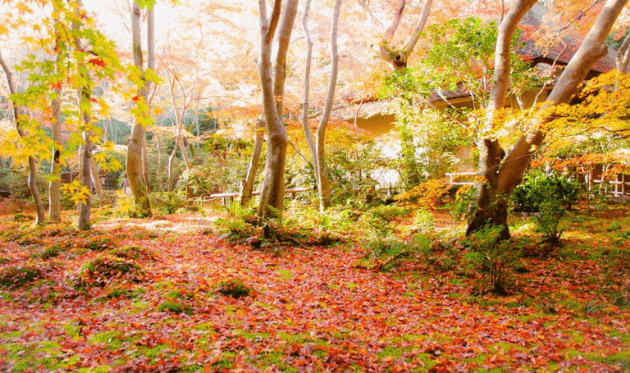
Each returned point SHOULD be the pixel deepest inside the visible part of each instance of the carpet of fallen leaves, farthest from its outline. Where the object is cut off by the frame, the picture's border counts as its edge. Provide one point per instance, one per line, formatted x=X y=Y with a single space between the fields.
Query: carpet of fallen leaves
x=309 y=310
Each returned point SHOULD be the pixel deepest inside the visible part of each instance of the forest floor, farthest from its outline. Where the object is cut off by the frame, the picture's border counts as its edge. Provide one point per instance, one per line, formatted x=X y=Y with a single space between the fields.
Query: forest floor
x=172 y=295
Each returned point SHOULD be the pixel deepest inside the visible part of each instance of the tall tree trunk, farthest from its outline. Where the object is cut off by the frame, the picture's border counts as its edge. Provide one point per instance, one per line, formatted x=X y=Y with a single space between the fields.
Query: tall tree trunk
x=272 y=193
x=150 y=65
x=54 y=188
x=318 y=148
x=159 y=165
x=85 y=177
x=32 y=164
x=169 y=166
x=307 y=88
x=96 y=179
x=179 y=122
x=323 y=186
x=85 y=173
x=279 y=77
x=622 y=59
x=137 y=145
x=247 y=187
x=502 y=176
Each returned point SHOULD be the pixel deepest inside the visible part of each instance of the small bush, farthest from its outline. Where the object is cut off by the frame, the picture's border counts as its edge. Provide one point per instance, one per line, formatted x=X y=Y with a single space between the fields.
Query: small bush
x=550 y=196
x=463 y=205
x=538 y=189
x=423 y=221
x=234 y=289
x=169 y=203
x=99 y=244
x=387 y=252
x=430 y=194
x=175 y=308
x=389 y=213
x=51 y=252
x=18 y=276
x=241 y=224
x=492 y=258
x=614 y=226
x=106 y=269
x=20 y=217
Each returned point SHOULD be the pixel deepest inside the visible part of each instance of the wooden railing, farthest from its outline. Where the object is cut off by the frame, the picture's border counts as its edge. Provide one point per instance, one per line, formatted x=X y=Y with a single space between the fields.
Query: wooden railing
x=453 y=175
x=229 y=197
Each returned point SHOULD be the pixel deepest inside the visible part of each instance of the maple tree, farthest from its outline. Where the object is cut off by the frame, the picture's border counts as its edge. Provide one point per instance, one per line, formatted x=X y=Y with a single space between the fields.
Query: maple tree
x=136 y=150
x=272 y=191
x=504 y=171
x=317 y=147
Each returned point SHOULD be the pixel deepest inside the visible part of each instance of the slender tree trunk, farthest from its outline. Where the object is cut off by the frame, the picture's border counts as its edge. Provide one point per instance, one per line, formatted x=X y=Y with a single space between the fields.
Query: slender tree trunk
x=137 y=145
x=32 y=164
x=108 y=123
x=96 y=179
x=323 y=186
x=159 y=165
x=247 y=188
x=86 y=161
x=318 y=148
x=272 y=193
x=179 y=122
x=169 y=166
x=279 y=77
x=85 y=178
x=150 y=65
x=54 y=188
x=184 y=153
x=307 y=88
x=505 y=175
x=622 y=59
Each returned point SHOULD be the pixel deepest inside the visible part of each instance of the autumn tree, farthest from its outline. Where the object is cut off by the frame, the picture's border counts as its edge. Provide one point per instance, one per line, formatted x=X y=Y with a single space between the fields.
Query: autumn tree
x=186 y=93
x=54 y=187
x=503 y=172
x=136 y=151
x=272 y=193
x=32 y=163
x=318 y=147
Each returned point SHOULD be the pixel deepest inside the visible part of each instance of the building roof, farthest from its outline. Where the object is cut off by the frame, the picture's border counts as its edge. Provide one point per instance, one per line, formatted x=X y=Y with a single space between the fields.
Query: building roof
x=544 y=54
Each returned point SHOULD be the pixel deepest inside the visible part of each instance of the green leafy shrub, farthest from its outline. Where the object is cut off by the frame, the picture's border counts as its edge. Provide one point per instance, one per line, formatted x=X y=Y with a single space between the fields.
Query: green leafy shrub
x=463 y=205
x=99 y=244
x=175 y=308
x=240 y=224
x=106 y=269
x=20 y=217
x=423 y=220
x=614 y=226
x=538 y=189
x=387 y=252
x=18 y=276
x=550 y=196
x=379 y=217
x=234 y=289
x=492 y=258
x=389 y=213
x=51 y=252
x=169 y=203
